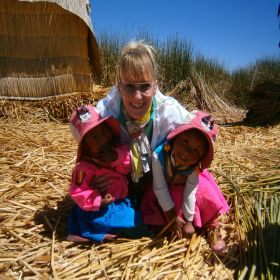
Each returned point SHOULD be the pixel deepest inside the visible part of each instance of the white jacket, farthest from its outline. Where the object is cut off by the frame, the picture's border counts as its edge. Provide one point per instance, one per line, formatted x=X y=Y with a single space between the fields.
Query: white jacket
x=168 y=114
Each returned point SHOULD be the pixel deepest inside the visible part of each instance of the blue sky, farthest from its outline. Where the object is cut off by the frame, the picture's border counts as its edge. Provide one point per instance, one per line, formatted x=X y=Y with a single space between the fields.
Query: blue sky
x=234 y=32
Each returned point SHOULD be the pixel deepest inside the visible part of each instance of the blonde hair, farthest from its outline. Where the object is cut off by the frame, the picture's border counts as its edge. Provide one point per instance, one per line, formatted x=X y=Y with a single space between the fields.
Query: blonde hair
x=138 y=59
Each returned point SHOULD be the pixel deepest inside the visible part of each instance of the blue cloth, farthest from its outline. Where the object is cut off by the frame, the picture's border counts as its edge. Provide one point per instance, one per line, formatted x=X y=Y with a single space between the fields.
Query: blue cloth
x=116 y=218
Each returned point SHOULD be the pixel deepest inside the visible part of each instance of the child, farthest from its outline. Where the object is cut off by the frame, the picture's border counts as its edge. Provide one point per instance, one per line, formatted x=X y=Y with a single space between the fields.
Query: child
x=183 y=188
x=99 y=185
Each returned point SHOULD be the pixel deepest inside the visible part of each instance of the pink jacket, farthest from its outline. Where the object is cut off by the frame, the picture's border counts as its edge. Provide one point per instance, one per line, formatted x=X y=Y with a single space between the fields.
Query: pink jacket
x=85 y=195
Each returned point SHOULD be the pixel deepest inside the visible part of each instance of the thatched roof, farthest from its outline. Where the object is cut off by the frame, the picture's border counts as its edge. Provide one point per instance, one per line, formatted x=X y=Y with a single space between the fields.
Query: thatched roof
x=46 y=48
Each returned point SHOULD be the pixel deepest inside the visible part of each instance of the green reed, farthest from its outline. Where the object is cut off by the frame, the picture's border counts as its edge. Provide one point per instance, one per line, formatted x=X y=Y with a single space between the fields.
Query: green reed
x=262 y=258
x=176 y=58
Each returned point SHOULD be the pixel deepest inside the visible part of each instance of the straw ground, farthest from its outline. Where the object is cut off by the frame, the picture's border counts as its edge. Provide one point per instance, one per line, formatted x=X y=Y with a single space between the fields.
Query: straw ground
x=36 y=158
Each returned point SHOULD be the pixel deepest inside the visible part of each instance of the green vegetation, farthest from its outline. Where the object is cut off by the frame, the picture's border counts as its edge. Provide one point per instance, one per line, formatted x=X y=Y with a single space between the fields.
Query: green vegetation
x=176 y=59
x=246 y=80
x=175 y=62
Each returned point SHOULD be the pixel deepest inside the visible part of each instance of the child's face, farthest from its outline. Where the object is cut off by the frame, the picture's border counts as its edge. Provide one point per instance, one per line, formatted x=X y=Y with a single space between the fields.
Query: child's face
x=98 y=138
x=188 y=148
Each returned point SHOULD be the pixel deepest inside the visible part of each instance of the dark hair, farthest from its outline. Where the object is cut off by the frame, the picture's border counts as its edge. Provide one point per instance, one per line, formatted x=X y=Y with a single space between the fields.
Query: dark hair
x=85 y=151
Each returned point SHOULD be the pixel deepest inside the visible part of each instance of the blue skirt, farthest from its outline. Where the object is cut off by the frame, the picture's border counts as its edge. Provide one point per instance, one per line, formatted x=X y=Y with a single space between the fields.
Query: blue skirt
x=116 y=218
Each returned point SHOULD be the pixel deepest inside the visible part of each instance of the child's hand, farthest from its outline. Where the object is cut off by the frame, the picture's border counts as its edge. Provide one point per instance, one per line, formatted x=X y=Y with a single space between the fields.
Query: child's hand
x=183 y=228
x=179 y=226
x=107 y=199
x=179 y=223
x=188 y=229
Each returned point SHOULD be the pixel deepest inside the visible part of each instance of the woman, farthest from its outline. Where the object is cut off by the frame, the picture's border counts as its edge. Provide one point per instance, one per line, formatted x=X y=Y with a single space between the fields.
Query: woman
x=145 y=114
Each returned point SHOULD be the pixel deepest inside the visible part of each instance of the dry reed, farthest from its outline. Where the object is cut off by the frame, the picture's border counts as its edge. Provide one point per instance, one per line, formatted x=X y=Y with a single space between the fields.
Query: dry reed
x=36 y=158
x=195 y=93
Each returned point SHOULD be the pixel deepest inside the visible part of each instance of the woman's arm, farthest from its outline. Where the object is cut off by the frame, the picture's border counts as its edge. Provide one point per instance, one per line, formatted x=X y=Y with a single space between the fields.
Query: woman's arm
x=110 y=105
x=169 y=113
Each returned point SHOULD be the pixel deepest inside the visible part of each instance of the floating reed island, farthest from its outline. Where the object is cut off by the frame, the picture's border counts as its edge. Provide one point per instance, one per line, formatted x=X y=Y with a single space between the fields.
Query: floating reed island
x=36 y=158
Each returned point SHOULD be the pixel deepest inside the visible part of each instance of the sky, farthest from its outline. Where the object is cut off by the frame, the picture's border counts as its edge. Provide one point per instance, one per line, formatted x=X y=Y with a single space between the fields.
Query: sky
x=235 y=33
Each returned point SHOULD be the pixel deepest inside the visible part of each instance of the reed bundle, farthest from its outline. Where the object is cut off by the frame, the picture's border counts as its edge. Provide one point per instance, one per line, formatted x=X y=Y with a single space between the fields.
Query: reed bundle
x=265 y=107
x=195 y=93
x=58 y=108
x=251 y=178
x=262 y=238
x=36 y=158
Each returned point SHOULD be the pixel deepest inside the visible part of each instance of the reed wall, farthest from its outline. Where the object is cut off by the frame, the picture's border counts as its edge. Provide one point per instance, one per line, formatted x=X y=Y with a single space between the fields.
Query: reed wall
x=44 y=50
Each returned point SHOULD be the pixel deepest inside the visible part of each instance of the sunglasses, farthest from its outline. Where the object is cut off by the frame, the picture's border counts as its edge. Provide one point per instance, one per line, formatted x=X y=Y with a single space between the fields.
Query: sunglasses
x=130 y=88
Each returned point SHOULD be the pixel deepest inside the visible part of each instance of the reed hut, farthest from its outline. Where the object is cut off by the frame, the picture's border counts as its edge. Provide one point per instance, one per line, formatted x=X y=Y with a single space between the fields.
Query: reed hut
x=47 y=48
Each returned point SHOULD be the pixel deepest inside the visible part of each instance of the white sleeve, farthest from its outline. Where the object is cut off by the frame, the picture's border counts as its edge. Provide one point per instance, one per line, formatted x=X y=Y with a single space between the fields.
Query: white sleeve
x=188 y=207
x=110 y=105
x=169 y=113
x=160 y=186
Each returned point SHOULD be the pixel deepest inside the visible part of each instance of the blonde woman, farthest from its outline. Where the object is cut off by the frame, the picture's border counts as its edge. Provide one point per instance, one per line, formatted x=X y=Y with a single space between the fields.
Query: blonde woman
x=145 y=114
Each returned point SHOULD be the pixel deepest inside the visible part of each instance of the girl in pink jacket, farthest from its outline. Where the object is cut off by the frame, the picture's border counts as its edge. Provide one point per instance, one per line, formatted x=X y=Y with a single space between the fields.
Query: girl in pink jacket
x=99 y=154
x=99 y=185
x=183 y=189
